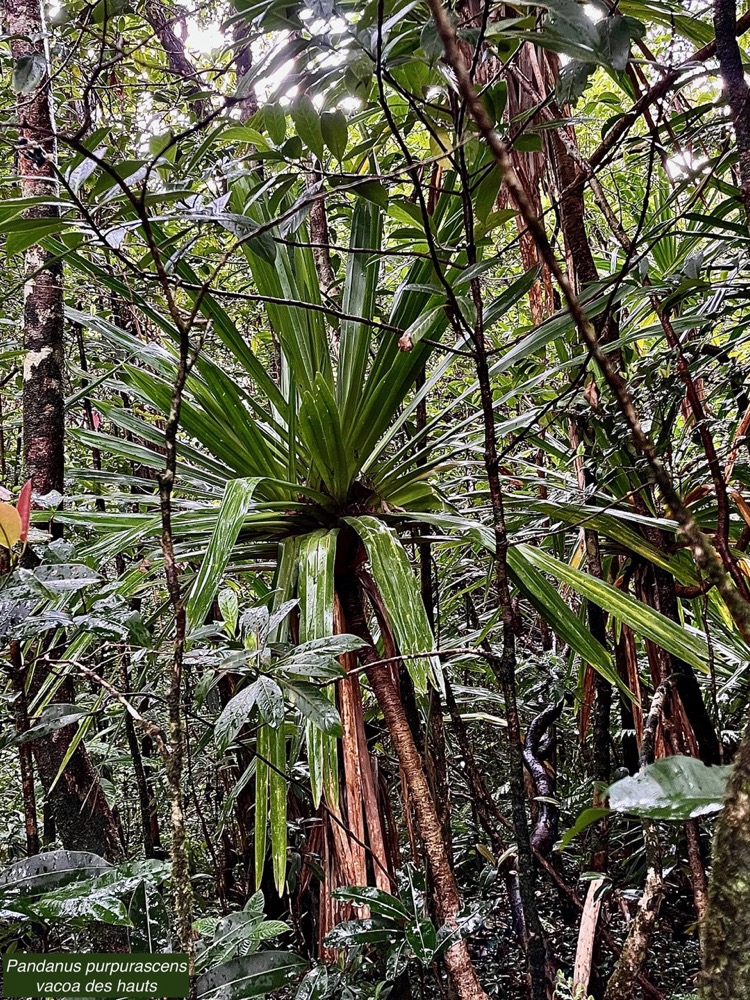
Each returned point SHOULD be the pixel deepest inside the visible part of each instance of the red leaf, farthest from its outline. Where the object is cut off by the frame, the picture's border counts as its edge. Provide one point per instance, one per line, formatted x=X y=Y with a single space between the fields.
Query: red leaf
x=24 y=508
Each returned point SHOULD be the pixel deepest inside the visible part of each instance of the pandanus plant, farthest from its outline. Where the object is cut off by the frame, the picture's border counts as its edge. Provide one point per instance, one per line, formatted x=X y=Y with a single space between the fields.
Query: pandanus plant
x=316 y=469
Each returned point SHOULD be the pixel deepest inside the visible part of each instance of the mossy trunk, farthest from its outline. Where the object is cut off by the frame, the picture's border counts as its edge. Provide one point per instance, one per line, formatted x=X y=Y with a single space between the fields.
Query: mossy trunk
x=726 y=956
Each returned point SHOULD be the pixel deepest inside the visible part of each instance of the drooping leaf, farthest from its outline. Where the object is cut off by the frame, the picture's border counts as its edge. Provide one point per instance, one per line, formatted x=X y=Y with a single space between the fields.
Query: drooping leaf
x=314 y=706
x=381 y=903
x=422 y=938
x=307 y=122
x=335 y=132
x=644 y=620
x=673 y=788
x=398 y=588
x=270 y=700
x=277 y=813
x=51 y=869
x=150 y=931
x=237 y=496
x=235 y=714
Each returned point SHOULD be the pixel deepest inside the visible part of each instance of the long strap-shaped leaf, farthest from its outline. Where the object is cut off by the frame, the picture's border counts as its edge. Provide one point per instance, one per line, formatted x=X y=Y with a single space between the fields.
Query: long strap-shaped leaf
x=541 y=594
x=321 y=430
x=317 y=554
x=237 y=496
x=645 y=621
x=360 y=289
x=270 y=775
x=277 y=788
x=263 y=746
x=398 y=588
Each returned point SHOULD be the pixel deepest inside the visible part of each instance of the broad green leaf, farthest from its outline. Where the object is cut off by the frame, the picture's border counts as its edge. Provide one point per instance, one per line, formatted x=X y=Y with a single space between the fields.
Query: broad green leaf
x=314 y=986
x=372 y=191
x=422 y=938
x=229 y=608
x=253 y=976
x=235 y=714
x=269 y=700
x=32 y=232
x=311 y=702
x=335 y=132
x=381 y=903
x=150 y=931
x=51 y=869
x=673 y=788
x=351 y=933
x=274 y=118
x=53 y=717
x=28 y=72
x=307 y=122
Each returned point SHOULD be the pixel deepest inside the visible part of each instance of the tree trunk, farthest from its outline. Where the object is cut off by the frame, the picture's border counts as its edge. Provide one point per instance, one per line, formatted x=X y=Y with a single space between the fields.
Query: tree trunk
x=458 y=963
x=735 y=87
x=726 y=956
x=44 y=363
x=82 y=815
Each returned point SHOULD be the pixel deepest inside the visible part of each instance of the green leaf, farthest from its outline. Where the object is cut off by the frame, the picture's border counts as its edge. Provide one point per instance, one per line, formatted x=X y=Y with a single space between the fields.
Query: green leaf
x=274 y=118
x=351 y=933
x=615 y=36
x=32 y=231
x=314 y=705
x=540 y=592
x=372 y=191
x=422 y=938
x=645 y=621
x=253 y=976
x=529 y=142
x=359 y=299
x=270 y=700
x=321 y=430
x=277 y=812
x=307 y=122
x=236 y=713
x=263 y=744
x=28 y=72
x=53 y=717
x=673 y=788
x=587 y=817
x=237 y=497
x=229 y=608
x=150 y=931
x=423 y=325
x=314 y=986
x=51 y=869
x=573 y=80
x=402 y=599
x=317 y=556
x=335 y=131
x=381 y=903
